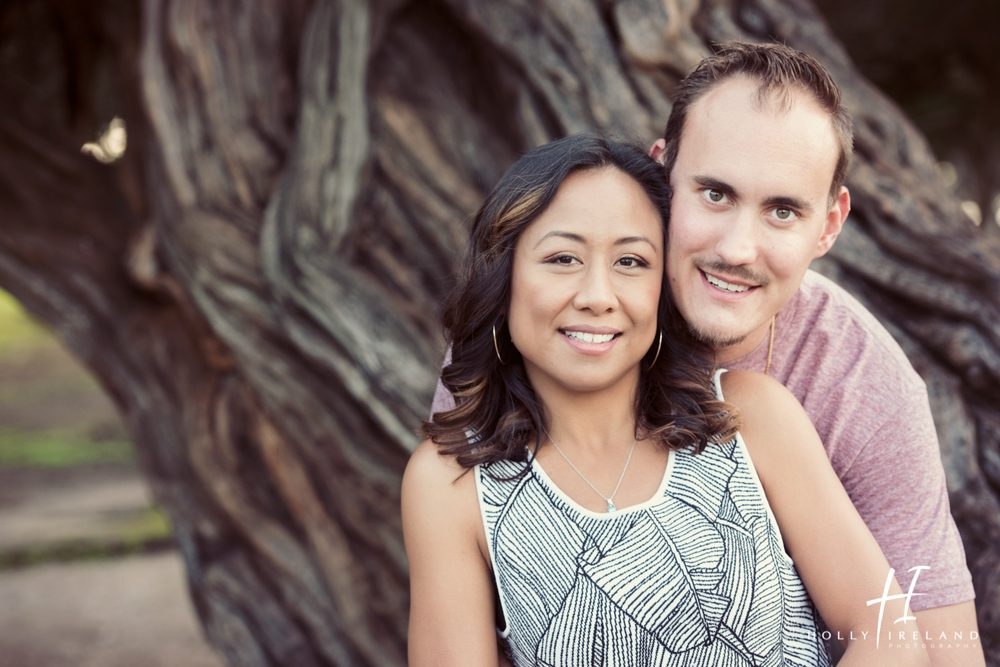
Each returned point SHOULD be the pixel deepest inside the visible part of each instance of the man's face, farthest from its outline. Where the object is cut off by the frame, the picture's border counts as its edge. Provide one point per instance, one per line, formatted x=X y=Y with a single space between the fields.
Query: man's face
x=751 y=209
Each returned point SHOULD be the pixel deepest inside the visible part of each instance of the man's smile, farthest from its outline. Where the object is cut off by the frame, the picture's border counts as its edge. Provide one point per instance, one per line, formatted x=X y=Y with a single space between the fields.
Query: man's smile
x=723 y=285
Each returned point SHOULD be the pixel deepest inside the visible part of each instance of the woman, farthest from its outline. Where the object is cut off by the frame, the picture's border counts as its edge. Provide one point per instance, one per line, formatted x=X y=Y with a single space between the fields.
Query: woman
x=589 y=496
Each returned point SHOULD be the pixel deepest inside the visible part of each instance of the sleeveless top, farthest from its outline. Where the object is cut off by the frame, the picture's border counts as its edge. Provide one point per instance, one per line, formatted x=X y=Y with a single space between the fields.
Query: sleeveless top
x=696 y=576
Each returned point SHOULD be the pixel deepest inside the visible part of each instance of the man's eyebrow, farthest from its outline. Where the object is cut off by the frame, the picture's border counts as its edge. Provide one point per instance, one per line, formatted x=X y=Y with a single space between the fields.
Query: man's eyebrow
x=794 y=203
x=779 y=201
x=716 y=184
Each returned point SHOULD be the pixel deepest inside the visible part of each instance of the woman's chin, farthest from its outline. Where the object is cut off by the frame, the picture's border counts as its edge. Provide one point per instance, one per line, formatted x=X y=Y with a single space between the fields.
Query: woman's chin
x=597 y=383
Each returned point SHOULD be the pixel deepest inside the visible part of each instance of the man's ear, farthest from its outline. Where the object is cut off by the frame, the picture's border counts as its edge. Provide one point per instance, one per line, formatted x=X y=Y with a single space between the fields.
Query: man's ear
x=658 y=151
x=835 y=218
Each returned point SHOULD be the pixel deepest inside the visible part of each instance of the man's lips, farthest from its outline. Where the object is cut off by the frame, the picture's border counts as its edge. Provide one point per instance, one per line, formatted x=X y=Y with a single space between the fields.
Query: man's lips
x=731 y=286
x=729 y=280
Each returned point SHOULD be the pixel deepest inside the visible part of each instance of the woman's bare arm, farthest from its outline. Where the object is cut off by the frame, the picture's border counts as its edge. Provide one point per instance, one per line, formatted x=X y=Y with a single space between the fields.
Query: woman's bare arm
x=451 y=592
x=839 y=561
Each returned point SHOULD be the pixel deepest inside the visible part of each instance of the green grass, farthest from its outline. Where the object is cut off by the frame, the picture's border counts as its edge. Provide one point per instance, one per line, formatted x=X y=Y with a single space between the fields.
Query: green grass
x=149 y=526
x=17 y=329
x=59 y=448
x=144 y=533
x=48 y=419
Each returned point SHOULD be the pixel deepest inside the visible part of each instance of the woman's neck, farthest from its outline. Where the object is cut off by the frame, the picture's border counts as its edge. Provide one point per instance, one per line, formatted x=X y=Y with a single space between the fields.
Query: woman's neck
x=593 y=421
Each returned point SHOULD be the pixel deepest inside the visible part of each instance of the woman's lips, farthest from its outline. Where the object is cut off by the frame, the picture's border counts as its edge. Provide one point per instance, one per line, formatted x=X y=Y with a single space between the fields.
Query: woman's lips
x=591 y=340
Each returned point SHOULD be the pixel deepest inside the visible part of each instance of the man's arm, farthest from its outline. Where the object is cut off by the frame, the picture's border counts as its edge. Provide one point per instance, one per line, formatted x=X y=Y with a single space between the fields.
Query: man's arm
x=872 y=412
x=945 y=621
x=897 y=482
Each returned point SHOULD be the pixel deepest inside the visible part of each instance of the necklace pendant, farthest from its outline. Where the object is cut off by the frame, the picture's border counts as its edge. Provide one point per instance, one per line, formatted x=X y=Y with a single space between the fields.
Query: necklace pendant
x=611 y=507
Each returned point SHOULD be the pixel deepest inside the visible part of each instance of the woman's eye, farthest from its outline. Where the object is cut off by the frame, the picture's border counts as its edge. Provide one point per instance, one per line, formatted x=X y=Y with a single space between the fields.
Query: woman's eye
x=563 y=260
x=632 y=262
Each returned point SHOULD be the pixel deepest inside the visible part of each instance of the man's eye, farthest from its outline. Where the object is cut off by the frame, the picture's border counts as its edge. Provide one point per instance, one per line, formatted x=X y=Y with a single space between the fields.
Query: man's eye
x=714 y=196
x=784 y=214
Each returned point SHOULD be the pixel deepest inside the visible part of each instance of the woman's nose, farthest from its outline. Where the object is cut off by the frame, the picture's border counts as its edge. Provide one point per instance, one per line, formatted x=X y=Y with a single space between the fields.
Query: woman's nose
x=596 y=291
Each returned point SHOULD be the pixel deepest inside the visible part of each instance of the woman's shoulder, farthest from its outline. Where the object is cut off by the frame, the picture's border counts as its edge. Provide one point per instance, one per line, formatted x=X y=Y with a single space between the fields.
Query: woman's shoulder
x=755 y=393
x=771 y=418
x=434 y=482
x=427 y=463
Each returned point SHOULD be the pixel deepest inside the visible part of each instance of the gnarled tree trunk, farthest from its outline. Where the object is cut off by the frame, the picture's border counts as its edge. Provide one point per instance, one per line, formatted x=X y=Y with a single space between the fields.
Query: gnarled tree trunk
x=257 y=282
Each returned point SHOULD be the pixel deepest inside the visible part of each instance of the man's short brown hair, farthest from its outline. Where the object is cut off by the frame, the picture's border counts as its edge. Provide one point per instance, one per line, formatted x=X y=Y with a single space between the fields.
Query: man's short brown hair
x=777 y=68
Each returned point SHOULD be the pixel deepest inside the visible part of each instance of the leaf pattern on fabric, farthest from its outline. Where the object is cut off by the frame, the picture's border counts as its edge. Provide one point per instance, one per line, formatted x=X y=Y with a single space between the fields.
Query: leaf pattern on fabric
x=775 y=632
x=697 y=577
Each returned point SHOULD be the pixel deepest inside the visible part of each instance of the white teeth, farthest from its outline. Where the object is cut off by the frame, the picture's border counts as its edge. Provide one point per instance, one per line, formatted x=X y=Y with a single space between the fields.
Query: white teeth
x=589 y=337
x=722 y=284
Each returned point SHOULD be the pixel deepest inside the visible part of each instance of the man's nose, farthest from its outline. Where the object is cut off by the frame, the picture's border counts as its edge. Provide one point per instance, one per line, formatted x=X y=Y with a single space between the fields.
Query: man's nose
x=596 y=290
x=738 y=242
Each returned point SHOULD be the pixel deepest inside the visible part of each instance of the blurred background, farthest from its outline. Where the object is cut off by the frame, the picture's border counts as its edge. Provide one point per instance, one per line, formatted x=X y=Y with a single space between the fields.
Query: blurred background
x=89 y=571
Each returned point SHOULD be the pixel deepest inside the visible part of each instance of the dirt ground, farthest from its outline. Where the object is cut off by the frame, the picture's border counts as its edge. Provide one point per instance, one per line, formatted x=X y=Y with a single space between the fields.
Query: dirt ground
x=40 y=506
x=127 y=612
x=119 y=612
x=106 y=612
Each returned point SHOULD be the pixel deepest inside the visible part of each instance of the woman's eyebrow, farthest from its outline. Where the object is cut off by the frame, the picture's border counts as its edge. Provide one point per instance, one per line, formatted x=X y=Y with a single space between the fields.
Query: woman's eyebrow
x=579 y=239
x=634 y=239
x=566 y=235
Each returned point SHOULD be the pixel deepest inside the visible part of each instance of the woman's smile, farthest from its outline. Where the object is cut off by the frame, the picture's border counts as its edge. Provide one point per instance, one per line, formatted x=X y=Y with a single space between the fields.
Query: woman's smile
x=591 y=340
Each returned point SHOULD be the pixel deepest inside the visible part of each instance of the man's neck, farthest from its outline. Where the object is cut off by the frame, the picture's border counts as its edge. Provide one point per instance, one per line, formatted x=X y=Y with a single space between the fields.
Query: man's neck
x=731 y=353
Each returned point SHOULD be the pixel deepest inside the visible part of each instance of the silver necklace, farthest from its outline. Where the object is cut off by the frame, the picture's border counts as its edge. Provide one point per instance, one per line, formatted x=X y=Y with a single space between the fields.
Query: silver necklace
x=608 y=499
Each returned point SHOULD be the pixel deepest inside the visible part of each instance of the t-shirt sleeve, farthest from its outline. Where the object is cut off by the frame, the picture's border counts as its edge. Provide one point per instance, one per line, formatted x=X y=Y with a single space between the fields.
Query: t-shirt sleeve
x=897 y=482
x=872 y=412
x=443 y=400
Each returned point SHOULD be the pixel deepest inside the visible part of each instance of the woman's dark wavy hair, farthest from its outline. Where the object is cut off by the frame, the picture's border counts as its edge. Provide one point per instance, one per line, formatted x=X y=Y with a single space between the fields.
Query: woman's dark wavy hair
x=497 y=415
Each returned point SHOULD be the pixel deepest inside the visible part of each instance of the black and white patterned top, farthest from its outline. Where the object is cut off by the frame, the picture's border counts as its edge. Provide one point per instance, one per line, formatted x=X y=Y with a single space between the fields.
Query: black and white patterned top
x=696 y=576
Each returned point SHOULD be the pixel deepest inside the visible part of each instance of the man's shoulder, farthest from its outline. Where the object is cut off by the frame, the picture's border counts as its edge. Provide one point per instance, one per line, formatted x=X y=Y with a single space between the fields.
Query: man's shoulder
x=848 y=372
x=828 y=329
x=822 y=298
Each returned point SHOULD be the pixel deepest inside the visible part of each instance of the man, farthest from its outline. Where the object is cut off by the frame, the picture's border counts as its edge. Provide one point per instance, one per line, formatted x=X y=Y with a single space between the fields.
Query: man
x=756 y=150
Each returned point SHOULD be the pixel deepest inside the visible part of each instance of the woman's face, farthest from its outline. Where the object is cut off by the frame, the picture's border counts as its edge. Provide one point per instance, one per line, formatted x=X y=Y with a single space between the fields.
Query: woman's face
x=586 y=284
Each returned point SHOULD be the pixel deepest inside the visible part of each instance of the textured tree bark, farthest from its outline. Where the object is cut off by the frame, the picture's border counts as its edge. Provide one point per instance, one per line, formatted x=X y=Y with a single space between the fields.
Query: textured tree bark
x=257 y=282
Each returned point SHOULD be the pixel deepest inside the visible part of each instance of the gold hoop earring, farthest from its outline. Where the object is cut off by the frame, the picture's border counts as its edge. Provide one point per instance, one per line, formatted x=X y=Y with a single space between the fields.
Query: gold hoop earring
x=496 y=347
x=659 y=345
